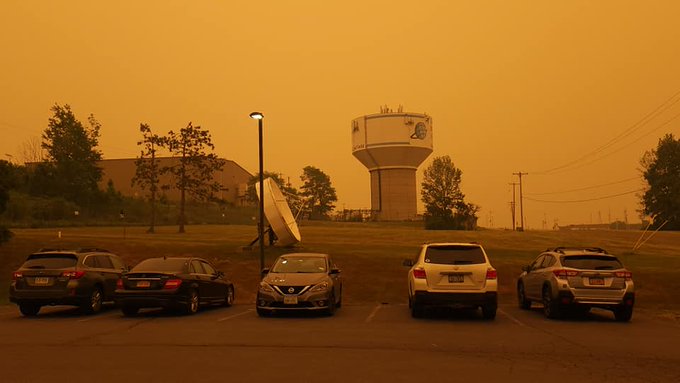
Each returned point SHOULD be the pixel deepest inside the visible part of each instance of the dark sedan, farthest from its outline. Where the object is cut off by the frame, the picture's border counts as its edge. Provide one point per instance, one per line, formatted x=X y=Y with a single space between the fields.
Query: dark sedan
x=183 y=284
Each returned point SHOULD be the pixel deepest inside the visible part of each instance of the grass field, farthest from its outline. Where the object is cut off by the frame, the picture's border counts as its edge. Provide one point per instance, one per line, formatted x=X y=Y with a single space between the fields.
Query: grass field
x=369 y=254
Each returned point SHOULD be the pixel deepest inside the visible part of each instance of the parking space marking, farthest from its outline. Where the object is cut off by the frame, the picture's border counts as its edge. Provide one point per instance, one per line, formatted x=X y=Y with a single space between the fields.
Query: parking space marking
x=512 y=318
x=9 y=313
x=236 y=315
x=99 y=316
x=373 y=312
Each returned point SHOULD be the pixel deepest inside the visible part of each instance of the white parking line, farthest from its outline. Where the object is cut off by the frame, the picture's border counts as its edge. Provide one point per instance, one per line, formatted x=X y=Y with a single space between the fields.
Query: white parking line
x=100 y=316
x=9 y=313
x=512 y=318
x=373 y=312
x=236 y=315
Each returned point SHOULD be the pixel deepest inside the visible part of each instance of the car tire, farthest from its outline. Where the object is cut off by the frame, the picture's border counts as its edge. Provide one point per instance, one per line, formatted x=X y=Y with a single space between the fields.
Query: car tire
x=94 y=303
x=522 y=301
x=29 y=309
x=193 y=302
x=623 y=313
x=330 y=311
x=551 y=307
x=229 y=299
x=130 y=311
x=262 y=312
x=417 y=310
x=489 y=312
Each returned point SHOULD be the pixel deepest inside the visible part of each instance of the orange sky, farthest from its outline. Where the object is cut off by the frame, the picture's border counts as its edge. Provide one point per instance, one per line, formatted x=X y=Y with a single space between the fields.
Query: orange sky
x=511 y=86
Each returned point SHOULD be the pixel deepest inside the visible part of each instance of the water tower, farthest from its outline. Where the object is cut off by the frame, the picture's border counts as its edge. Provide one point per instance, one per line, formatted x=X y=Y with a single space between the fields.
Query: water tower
x=392 y=145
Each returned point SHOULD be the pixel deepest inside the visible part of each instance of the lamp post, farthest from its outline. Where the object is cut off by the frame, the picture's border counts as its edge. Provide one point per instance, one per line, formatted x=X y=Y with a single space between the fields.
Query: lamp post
x=260 y=224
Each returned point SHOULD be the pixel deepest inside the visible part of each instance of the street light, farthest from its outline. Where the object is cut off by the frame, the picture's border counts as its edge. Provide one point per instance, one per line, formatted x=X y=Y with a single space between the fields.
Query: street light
x=260 y=225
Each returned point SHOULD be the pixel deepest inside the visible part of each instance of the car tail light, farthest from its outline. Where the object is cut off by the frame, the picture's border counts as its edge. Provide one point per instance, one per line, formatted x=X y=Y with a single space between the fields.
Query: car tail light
x=624 y=274
x=419 y=274
x=73 y=274
x=562 y=273
x=16 y=275
x=491 y=274
x=172 y=284
x=119 y=284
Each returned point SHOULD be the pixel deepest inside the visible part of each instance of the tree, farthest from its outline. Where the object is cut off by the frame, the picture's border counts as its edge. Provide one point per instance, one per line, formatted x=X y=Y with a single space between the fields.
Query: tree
x=72 y=155
x=661 y=170
x=318 y=192
x=442 y=196
x=7 y=182
x=193 y=172
x=148 y=170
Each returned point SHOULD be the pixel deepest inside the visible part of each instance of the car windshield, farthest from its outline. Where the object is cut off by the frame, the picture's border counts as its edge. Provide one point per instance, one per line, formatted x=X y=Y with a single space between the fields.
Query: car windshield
x=50 y=261
x=592 y=262
x=300 y=265
x=174 y=265
x=454 y=255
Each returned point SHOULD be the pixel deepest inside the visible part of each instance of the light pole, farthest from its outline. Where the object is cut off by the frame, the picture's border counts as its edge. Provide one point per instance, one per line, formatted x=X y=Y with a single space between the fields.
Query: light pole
x=260 y=224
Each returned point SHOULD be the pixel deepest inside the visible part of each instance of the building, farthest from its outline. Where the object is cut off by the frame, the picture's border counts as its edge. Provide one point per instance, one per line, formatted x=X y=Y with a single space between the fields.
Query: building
x=233 y=179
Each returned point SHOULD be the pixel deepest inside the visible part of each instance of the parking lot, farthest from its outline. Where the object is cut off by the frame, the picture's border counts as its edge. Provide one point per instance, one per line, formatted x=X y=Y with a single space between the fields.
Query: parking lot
x=361 y=343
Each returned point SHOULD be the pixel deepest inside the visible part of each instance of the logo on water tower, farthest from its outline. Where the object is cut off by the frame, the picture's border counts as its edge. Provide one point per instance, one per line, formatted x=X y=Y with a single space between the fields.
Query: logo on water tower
x=420 y=131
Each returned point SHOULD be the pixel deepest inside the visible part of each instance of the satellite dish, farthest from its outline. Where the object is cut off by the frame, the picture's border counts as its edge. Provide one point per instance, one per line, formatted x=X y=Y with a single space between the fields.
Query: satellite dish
x=278 y=213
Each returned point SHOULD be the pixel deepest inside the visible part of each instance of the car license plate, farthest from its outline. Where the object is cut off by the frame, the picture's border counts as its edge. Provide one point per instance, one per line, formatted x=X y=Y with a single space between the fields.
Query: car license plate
x=456 y=278
x=597 y=281
x=143 y=284
x=42 y=281
x=290 y=300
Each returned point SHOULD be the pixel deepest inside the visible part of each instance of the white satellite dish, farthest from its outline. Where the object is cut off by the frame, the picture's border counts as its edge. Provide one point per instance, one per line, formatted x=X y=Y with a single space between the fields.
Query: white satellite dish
x=278 y=213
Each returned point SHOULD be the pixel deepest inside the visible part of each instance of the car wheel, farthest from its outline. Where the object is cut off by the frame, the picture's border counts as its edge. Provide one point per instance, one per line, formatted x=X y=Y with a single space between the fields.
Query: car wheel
x=229 y=299
x=522 y=301
x=551 y=307
x=192 y=303
x=130 y=311
x=262 y=312
x=94 y=303
x=489 y=311
x=29 y=309
x=623 y=313
x=331 y=306
x=417 y=310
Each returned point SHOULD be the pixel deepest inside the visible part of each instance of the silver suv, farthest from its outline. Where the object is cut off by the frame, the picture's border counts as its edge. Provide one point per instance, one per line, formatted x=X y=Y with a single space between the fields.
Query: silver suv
x=452 y=275
x=577 y=278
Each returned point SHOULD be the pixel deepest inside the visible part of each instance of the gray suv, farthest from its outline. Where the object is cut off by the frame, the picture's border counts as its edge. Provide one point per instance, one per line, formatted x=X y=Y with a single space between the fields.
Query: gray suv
x=84 y=278
x=565 y=278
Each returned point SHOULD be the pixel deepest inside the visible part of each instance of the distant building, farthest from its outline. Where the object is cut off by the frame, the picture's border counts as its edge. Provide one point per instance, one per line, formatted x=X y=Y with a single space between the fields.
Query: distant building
x=233 y=179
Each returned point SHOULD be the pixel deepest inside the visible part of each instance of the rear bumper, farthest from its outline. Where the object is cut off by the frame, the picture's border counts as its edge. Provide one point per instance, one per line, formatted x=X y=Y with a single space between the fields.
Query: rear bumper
x=72 y=297
x=596 y=300
x=449 y=299
x=165 y=300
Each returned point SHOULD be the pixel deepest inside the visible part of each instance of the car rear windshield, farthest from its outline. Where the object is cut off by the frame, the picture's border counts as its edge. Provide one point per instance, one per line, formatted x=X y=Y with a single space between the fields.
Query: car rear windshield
x=454 y=255
x=300 y=265
x=50 y=261
x=173 y=265
x=591 y=262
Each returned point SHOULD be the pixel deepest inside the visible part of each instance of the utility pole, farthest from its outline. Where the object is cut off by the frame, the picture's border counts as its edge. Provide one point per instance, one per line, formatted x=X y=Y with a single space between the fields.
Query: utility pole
x=513 y=205
x=521 y=202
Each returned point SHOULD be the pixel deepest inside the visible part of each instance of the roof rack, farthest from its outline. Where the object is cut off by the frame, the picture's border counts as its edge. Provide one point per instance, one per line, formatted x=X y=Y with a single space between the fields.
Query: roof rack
x=593 y=249
x=46 y=249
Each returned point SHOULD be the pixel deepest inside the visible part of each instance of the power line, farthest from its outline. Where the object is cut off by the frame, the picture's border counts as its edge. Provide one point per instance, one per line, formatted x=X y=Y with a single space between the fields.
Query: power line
x=586 y=200
x=667 y=104
x=587 y=187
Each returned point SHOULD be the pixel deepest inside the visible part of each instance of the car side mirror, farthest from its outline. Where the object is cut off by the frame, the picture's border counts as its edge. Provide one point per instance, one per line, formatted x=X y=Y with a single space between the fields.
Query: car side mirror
x=217 y=275
x=335 y=271
x=407 y=262
x=526 y=268
x=264 y=272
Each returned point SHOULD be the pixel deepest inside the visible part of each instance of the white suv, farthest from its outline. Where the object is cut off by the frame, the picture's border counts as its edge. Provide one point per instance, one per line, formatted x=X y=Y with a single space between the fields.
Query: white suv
x=452 y=275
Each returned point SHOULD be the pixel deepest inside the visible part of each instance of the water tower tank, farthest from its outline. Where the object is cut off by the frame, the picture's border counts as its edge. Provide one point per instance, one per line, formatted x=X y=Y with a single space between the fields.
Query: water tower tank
x=392 y=145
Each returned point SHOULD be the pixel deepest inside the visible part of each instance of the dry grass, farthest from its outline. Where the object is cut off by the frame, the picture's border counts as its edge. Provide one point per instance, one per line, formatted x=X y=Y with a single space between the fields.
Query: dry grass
x=369 y=254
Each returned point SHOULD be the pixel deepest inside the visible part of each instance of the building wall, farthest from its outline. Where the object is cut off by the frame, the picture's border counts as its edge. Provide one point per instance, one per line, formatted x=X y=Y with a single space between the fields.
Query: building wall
x=393 y=194
x=233 y=179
